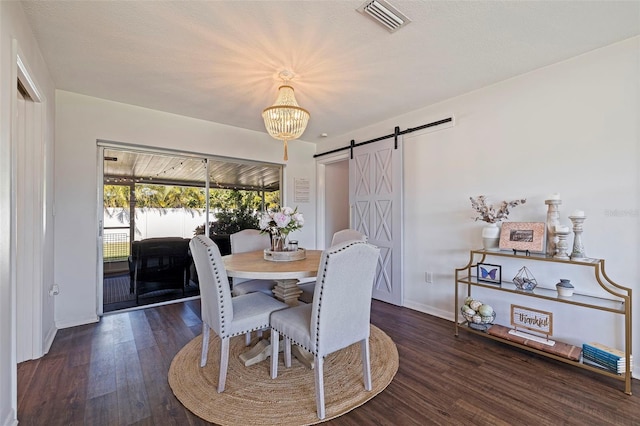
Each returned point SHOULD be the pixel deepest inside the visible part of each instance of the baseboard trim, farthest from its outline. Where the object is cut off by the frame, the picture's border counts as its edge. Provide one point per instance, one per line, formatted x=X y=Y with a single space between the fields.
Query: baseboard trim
x=426 y=309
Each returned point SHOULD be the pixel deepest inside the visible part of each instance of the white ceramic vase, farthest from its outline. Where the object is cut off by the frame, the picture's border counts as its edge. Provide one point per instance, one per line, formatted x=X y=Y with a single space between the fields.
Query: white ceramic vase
x=491 y=237
x=565 y=288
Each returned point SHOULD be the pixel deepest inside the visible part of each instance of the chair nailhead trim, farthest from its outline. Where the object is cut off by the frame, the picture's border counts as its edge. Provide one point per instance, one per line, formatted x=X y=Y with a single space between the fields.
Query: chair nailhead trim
x=260 y=327
x=324 y=276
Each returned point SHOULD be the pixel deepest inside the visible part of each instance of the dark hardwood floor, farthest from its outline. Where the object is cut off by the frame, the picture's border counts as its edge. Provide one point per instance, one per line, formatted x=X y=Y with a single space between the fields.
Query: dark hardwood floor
x=115 y=373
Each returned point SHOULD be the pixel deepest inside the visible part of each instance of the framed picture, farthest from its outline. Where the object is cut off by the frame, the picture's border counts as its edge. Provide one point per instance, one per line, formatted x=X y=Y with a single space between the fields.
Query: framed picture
x=523 y=236
x=489 y=273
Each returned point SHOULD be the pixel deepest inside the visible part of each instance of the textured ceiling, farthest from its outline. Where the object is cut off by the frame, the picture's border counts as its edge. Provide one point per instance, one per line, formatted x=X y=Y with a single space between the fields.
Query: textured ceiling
x=218 y=60
x=122 y=166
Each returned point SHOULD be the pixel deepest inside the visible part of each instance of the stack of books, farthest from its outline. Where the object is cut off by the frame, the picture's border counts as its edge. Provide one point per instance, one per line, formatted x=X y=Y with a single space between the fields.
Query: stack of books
x=605 y=357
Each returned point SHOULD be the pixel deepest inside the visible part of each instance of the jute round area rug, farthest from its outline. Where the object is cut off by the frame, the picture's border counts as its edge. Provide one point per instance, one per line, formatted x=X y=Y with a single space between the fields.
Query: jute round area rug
x=251 y=397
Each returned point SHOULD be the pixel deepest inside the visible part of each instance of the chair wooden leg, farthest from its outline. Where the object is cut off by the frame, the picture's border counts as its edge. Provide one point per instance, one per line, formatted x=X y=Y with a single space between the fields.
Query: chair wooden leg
x=205 y=344
x=247 y=338
x=275 y=343
x=366 y=363
x=319 y=361
x=224 y=363
x=287 y=352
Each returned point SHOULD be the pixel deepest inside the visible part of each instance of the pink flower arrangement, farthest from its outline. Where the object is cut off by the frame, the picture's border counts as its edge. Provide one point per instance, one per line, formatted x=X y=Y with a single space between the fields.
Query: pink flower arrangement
x=281 y=222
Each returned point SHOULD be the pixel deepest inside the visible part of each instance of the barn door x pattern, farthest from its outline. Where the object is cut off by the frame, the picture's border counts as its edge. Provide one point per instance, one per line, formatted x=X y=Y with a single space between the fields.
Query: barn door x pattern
x=373 y=208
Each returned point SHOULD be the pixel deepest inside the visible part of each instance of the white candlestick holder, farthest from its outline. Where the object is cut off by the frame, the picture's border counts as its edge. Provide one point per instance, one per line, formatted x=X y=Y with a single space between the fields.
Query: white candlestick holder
x=553 y=219
x=562 y=247
x=578 y=252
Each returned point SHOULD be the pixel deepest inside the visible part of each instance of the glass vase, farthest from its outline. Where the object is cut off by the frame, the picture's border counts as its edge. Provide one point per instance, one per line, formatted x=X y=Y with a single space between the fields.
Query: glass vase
x=278 y=242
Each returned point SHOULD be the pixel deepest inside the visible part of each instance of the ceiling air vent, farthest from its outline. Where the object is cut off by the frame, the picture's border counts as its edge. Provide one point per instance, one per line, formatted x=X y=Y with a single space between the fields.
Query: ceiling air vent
x=384 y=14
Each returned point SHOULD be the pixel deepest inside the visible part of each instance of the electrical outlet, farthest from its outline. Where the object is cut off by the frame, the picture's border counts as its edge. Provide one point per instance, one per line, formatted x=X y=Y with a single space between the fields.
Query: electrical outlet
x=428 y=277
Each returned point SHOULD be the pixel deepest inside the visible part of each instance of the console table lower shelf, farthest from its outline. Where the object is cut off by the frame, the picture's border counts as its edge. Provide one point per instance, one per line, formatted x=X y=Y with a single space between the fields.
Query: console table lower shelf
x=560 y=351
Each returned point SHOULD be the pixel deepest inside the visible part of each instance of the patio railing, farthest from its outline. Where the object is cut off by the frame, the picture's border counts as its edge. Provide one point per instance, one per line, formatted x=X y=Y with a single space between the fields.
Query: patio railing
x=115 y=246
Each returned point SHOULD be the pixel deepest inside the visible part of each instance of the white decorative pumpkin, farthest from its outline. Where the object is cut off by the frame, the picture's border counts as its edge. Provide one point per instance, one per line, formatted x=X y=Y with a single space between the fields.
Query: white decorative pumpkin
x=475 y=304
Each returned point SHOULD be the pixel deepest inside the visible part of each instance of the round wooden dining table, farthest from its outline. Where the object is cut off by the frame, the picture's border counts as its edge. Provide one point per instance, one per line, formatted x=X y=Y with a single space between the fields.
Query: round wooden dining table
x=253 y=265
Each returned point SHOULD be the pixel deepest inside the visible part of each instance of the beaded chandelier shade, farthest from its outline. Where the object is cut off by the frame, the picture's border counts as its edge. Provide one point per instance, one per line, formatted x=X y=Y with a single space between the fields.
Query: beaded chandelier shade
x=285 y=120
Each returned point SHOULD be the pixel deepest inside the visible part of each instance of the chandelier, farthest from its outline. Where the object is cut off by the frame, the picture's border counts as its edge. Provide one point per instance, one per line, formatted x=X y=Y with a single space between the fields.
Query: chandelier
x=285 y=120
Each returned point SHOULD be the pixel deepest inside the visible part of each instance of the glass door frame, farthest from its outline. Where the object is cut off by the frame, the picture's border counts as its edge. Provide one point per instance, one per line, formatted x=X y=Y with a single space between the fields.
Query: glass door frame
x=104 y=144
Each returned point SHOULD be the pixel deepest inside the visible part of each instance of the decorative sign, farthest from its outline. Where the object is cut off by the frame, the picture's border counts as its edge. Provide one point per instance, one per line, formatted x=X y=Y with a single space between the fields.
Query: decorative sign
x=532 y=319
x=301 y=190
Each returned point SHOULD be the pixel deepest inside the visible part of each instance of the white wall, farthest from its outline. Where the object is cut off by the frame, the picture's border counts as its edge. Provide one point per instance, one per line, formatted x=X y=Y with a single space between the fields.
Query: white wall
x=570 y=128
x=80 y=121
x=14 y=29
x=336 y=199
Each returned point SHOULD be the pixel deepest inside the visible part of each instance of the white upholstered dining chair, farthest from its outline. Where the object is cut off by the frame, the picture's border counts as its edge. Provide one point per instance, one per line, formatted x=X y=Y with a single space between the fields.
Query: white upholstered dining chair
x=338 y=317
x=227 y=316
x=339 y=237
x=242 y=242
x=347 y=235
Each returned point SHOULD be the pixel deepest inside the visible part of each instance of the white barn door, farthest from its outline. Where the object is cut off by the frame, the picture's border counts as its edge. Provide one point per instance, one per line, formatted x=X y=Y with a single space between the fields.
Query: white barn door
x=375 y=199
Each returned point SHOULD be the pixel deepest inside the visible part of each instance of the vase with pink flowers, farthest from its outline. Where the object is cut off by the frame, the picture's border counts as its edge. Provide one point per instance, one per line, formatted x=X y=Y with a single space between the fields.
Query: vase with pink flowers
x=279 y=223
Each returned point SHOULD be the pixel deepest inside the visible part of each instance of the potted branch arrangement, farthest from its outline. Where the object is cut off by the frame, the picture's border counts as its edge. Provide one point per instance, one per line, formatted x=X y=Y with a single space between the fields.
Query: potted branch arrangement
x=492 y=216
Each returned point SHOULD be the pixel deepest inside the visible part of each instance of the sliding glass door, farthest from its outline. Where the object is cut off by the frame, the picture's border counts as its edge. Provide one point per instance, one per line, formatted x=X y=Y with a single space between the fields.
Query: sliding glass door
x=153 y=202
